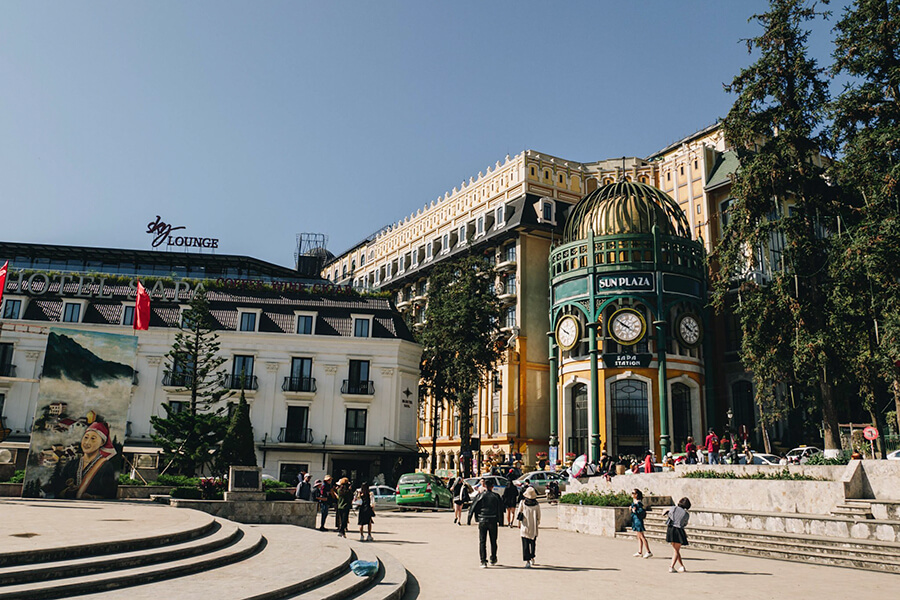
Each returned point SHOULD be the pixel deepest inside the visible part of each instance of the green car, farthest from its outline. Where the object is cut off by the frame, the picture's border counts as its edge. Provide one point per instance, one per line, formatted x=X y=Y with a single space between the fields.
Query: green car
x=423 y=489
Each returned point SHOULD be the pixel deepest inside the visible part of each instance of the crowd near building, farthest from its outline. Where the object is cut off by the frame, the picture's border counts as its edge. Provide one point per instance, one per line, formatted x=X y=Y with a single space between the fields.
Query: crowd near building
x=635 y=256
x=331 y=376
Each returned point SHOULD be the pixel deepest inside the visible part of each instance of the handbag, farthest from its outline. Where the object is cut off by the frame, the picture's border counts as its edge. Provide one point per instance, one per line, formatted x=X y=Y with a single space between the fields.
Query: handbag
x=521 y=516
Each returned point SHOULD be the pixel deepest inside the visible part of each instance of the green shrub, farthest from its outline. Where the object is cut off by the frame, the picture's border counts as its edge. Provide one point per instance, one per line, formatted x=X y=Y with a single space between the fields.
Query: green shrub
x=272 y=484
x=597 y=499
x=177 y=481
x=187 y=493
x=124 y=479
x=819 y=459
x=277 y=494
x=782 y=475
x=17 y=477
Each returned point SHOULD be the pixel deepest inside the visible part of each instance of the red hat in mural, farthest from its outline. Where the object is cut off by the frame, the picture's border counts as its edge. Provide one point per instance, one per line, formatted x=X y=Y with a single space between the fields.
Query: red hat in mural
x=102 y=429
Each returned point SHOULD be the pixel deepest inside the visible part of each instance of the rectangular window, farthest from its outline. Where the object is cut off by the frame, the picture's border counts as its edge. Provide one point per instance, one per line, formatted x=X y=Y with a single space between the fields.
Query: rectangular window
x=128 y=317
x=428 y=251
x=415 y=258
x=12 y=308
x=510 y=317
x=445 y=243
x=355 y=432
x=304 y=324
x=462 y=235
x=287 y=472
x=358 y=383
x=296 y=430
x=301 y=376
x=499 y=216
x=510 y=252
x=6 y=366
x=548 y=211
x=495 y=413
x=71 y=312
x=479 y=227
x=456 y=425
x=248 y=321
x=177 y=406
x=361 y=328
x=243 y=365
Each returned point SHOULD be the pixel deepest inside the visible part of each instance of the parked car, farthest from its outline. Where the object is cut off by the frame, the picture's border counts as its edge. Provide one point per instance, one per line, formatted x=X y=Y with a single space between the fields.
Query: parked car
x=539 y=480
x=500 y=484
x=384 y=495
x=895 y=455
x=802 y=453
x=423 y=489
x=761 y=459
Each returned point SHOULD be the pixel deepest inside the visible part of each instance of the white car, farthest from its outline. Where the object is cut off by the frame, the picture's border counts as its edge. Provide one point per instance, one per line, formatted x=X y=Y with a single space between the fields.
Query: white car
x=802 y=453
x=762 y=459
x=384 y=494
x=895 y=455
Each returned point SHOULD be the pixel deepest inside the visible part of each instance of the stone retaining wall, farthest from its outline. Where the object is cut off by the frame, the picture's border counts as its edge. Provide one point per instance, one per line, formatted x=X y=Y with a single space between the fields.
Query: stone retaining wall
x=593 y=520
x=296 y=512
x=819 y=525
x=10 y=490
x=132 y=492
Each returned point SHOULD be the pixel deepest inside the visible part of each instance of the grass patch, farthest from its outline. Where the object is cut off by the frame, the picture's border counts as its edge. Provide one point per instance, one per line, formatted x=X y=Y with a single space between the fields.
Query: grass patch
x=597 y=499
x=782 y=475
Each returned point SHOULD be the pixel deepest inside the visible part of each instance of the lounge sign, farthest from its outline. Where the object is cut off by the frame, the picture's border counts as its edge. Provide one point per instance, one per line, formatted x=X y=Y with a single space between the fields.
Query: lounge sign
x=162 y=233
x=618 y=282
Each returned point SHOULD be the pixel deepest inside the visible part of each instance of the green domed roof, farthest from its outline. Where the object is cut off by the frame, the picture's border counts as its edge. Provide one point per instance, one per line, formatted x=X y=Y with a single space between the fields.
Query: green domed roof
x=625 y=207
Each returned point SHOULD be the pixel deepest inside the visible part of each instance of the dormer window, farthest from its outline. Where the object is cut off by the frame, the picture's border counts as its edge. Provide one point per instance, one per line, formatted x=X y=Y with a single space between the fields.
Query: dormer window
x=362 y=326
x=72 y=312
x=12 y=308
x=128 y=315
x=462 y=235
x=479 y=227
x=498 y=215
x=248 y=320
x=428 y=254
x=305 y=322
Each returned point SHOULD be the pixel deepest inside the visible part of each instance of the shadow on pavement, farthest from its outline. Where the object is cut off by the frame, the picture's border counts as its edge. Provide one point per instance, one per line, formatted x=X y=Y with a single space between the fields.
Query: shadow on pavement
x=729 y=573
x=412 y=587
x=553 y=568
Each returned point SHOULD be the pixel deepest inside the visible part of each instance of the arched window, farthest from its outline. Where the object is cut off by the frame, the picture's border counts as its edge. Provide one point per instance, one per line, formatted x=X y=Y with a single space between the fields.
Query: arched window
x=631 y=425
x=681 y=415
x=578 y=438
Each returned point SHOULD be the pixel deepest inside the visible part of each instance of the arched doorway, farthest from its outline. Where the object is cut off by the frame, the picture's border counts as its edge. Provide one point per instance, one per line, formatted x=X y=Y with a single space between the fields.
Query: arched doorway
x=681 y=416
x=578 y=440
x=631 y=425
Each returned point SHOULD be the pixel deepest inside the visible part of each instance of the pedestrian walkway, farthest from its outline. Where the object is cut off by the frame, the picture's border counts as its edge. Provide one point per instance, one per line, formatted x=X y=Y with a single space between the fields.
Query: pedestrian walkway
x=442 y=558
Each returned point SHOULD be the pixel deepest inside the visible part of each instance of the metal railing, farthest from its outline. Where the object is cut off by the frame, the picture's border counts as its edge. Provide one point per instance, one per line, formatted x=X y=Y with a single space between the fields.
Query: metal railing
x=358 y=388
x=299 y=384
x=8 y=370
x=295 y=436
x=177 y=380
x=241 y=381
x=355 y=437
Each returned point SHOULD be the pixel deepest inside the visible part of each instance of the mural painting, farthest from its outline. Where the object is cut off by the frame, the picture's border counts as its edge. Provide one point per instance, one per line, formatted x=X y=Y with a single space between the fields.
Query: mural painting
x=81 y=415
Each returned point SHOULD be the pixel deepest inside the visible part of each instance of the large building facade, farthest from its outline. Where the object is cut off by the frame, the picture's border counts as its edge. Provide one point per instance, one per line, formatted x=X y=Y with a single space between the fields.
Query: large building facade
x=331 y=375
x=514 y=213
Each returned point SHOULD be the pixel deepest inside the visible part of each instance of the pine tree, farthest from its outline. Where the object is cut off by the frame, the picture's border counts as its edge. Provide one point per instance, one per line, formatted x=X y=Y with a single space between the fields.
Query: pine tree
x=189 y=442
x=866 y=254
x=459 y=339
x=237 y=447
x=775 y=243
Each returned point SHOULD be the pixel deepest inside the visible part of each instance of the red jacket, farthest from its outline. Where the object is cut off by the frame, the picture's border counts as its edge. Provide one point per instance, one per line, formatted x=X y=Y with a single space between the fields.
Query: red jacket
x=648 y=464
x=712 y=443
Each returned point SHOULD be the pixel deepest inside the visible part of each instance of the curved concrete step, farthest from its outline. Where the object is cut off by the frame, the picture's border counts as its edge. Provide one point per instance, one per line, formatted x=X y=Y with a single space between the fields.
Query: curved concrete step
x=38 y=542
x=390 y=583
x=293 y=560
x=246 y=545
x=348 y=584
x=221 y=534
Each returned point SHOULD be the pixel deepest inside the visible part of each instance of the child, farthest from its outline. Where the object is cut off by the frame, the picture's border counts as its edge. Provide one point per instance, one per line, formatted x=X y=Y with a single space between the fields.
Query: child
x=637 y=523
x=675 y=524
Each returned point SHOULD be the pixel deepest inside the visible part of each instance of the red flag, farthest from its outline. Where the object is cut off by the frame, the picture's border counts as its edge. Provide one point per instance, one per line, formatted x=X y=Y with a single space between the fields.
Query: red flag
x=142 y=308
x=3 y=280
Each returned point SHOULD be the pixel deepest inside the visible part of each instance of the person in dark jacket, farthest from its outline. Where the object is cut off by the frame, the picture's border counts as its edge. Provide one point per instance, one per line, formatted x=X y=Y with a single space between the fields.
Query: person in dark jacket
x=488 y=510
x=510 y=500
x=304 y=488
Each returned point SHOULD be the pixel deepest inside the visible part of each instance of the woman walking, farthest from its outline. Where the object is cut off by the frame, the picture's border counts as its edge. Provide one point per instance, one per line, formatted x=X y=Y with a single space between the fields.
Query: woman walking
x=510 y=496
x=637 y=523
x=528 y=515
x=460 y=497
x=366 y=512
x=675 y=524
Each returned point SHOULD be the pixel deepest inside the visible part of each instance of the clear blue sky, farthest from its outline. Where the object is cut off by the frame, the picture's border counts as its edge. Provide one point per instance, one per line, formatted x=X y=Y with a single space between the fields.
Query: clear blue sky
x=254 y=121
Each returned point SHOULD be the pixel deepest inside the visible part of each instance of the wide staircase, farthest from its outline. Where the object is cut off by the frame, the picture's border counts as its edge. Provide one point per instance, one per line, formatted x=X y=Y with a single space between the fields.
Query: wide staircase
x=144 y=553
x=847 y=538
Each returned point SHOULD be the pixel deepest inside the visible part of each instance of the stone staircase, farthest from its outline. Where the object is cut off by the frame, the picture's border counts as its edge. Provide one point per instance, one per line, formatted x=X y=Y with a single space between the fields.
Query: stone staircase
x=793 y=543
x=209 y=558
x=858 y=509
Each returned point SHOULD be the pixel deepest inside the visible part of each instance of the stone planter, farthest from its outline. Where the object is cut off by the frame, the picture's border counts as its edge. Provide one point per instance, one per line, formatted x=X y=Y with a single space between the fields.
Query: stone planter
x=593 y=520
x=296 y=512
x=10 y=490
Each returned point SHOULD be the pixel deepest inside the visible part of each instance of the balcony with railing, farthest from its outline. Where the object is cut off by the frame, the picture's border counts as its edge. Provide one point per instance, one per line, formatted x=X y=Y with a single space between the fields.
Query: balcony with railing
x=355 y=437
x=8 y=370
x=295 y=436
x=358 y=388
x=241 y=381
x=177 y=380
x=299 y=384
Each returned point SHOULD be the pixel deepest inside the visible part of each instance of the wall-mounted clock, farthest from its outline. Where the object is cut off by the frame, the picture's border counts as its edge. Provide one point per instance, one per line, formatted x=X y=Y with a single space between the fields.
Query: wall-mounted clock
x=688 y=330
x=568 y=332
x=627 y=326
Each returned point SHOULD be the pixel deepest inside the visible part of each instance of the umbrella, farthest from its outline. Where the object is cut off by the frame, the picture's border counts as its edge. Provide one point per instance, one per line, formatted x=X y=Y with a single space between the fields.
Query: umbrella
x=578 y=465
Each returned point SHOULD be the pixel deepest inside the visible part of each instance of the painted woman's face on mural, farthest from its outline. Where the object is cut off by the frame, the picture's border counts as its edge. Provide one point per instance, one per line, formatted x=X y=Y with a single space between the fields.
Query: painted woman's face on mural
x=91 y=442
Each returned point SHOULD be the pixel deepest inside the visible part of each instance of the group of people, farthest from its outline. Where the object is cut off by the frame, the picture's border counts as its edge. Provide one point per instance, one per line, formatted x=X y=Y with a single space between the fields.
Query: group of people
x=489 y=508
x=676 y=520
x=719 y=451
x=342 y=498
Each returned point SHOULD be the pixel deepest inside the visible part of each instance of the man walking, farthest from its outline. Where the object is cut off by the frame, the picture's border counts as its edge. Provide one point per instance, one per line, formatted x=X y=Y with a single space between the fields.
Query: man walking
x=488 y=510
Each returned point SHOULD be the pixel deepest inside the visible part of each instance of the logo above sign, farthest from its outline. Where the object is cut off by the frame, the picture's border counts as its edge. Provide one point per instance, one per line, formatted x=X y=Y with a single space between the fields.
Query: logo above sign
x=163 y=235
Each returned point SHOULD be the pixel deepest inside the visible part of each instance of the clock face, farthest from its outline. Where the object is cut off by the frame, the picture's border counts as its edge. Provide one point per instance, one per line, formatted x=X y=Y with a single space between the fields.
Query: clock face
x=689 y=330
x=567 y=332
x=627 y=326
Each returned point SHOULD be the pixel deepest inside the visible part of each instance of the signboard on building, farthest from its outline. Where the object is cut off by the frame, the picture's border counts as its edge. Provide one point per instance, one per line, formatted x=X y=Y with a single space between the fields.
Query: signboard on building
x=625 y=361
x=162 y=236
x=624 y=282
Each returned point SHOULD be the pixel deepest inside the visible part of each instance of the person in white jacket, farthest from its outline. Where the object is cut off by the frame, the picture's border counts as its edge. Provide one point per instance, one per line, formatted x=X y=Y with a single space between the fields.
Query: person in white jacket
x=528 y=514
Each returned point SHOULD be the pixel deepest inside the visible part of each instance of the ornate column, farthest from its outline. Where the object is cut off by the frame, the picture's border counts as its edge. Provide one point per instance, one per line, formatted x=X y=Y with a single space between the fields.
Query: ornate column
x=595 y=394
x=554 y=385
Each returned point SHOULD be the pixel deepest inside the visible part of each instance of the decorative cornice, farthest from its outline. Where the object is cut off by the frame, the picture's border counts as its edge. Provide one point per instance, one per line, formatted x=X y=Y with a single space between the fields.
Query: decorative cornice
x=272 y=367
x=331 y=369
x=154 y=361
x=33 y=354
x=387 y=372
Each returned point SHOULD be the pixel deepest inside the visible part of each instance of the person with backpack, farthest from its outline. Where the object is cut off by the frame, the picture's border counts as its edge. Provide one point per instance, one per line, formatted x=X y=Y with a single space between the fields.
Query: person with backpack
x=712 y=447
x=690 y=451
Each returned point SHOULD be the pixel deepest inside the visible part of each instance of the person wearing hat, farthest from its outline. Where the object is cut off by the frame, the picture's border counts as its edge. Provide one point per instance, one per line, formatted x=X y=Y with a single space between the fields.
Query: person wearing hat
x=322 y=495
x=304 y=487
x=528 y=513
x=344 y=498
x=91 y=475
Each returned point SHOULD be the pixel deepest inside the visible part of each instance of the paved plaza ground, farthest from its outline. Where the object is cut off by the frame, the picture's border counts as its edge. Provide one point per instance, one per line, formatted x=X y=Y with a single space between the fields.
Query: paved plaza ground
x=443 y=561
